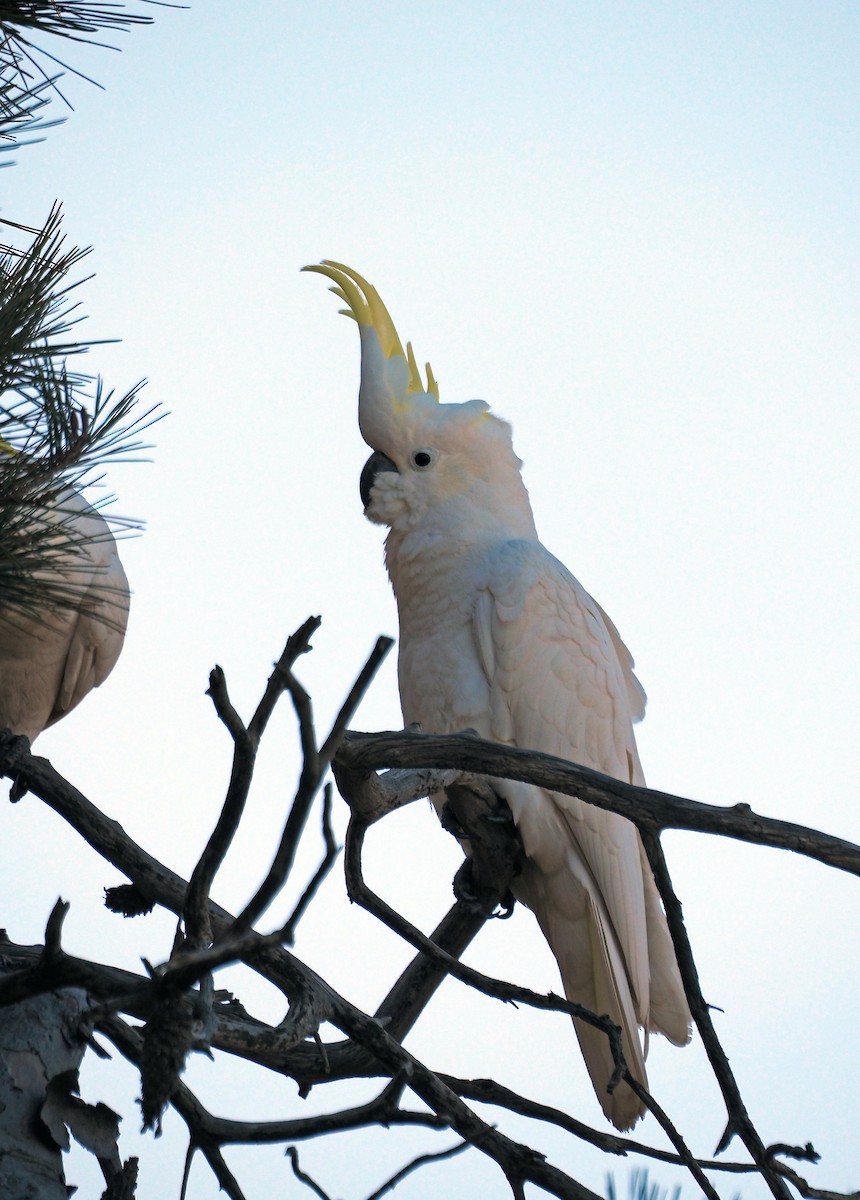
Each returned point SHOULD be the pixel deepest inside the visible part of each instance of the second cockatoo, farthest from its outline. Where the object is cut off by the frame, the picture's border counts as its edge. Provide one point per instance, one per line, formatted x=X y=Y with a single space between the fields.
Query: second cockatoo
x=497 y=635
x=51 y=657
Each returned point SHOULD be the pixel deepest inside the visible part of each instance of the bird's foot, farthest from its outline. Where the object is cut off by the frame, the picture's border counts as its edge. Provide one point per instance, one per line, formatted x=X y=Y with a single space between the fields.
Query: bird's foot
x=506 y=906
x=468 y=891
x=14 y=748
x=501 y=814
x=464 y=886
x=451 y=824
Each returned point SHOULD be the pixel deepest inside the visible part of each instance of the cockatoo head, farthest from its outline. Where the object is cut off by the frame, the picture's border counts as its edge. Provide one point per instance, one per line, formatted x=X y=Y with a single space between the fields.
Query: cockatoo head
x=446 y=465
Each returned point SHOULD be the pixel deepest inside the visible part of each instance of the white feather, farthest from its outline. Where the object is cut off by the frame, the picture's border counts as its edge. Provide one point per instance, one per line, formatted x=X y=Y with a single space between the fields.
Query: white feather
x=496 y=635
x=49 y=662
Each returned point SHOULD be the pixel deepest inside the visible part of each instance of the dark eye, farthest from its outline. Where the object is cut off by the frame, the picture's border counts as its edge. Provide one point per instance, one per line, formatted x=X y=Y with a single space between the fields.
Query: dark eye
x=422 y=458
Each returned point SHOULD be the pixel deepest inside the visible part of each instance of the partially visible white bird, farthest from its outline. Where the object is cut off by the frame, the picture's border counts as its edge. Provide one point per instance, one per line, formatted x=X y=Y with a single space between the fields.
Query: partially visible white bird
x=50 y=660
x=497 y=635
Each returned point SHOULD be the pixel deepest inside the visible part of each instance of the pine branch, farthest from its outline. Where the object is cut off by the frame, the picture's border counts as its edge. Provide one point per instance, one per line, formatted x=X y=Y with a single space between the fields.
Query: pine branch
x=26 y=63
x=58 y=428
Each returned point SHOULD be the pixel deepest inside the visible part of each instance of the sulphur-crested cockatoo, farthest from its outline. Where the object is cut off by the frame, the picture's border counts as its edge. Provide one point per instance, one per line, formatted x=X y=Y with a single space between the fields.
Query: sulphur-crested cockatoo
x=50 y=659
x=496 y=635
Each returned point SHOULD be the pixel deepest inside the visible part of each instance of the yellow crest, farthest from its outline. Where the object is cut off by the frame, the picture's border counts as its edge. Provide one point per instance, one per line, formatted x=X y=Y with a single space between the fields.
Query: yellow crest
x=366 y=307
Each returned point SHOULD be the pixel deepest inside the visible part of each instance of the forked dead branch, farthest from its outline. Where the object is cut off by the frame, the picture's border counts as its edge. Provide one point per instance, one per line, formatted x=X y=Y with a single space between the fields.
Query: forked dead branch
x=156 y=1020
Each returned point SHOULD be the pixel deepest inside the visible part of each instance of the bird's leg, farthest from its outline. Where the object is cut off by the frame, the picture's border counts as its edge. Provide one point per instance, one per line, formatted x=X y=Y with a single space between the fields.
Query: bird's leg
x=451 y=824
x=464 y=886
x=14 y=747
x=482 y=821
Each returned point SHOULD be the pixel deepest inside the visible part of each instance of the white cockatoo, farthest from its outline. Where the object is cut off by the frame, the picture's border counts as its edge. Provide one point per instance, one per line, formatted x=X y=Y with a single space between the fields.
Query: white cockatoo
x=50 y=659
x=496 y=635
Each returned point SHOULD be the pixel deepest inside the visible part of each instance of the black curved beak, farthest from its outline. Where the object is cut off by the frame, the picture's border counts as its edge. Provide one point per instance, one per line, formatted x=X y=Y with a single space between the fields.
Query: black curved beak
x=375 y=465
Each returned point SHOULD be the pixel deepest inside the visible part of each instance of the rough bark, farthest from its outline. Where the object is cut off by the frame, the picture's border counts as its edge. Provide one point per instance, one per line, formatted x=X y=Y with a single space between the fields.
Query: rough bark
x=40 y=1051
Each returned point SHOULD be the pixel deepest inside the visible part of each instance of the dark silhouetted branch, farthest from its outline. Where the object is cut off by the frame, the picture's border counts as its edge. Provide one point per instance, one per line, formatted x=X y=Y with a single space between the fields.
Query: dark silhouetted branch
x=739 y=1120
x=646 y=808
x=180 y=993
x=245 y=745
x=314 y=766
x=510 y=993
x=422 y=1160
x=288 y=930
x=302 y=1176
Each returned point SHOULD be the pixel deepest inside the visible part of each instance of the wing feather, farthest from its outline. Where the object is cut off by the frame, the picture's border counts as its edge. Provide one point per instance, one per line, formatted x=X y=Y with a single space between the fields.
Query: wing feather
x=99 y=631
x=558 y=676
x=50 y=661
x=561 y=681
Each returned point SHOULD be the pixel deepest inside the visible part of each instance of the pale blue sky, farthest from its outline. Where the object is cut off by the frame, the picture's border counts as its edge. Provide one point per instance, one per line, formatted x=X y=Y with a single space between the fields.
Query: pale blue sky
x=633 y=228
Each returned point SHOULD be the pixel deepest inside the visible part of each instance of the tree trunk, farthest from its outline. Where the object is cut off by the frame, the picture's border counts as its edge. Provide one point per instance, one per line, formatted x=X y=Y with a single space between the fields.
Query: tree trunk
x=39 y=1042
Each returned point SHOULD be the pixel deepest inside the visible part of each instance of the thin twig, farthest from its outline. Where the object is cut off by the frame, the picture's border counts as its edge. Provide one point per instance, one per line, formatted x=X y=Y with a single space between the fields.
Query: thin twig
x=298 y=643
x=671 y=1131
x=54 y=929
x=130 y=1044
x=293 y=1155
x=314 y=766
x=739 y=1120
x=421 y=1161
x=488 y=1091
x=510 y=993
x=356 y=695
x=245 y=745
x=288 y=929
x=186 y=1169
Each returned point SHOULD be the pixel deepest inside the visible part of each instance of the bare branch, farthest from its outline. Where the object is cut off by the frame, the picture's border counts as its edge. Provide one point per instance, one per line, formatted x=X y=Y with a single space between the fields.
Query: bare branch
x=669 y=1128
x=488 y=1091
x=646 y=808
x=371 y=797
x=356 y=695
x=130 y=1043
x=409 y=996
x=288 y=930
x=313 y=769
x=361 y=894
x=49 y=967
x=245 y=745
x=813 y=1193
x=517 y=1161
x=222 y=1131
x=372 y=1046
x=421 y=1161
x=123 y=1184
x=293 y=1155
x=739 y=1119
x=298 y=643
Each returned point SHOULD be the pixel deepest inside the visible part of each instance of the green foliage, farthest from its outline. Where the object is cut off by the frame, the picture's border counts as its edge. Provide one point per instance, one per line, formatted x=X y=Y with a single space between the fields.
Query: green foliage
x=23 y=55
x=59 y=428
x=641 y=1188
